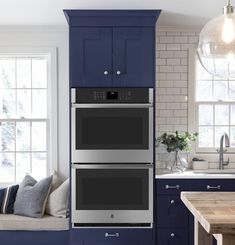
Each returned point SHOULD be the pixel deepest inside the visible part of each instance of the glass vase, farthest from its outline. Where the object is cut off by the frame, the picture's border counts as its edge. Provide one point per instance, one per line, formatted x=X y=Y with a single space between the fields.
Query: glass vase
x=176 y=165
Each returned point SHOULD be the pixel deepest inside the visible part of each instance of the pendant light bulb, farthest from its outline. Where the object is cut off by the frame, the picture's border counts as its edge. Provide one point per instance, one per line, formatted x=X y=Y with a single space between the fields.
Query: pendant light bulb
x=228 y=32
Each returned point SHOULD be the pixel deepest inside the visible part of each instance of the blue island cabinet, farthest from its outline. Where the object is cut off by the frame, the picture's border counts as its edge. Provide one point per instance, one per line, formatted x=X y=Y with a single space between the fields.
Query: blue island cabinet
x=174 y=223
x=102 y=236
x=113 y=48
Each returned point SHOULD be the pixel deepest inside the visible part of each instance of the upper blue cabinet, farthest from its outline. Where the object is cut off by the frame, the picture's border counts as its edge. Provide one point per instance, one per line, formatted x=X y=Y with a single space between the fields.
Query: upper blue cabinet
x=112 y=48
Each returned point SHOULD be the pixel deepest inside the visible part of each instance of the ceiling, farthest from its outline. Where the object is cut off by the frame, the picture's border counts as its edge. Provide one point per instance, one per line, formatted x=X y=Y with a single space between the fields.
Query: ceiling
x=184 y=13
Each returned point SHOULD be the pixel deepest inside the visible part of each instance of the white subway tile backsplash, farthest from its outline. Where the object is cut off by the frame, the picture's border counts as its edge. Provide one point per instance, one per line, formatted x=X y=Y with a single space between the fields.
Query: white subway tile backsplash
x=181 y=39
x=173 y=76
x=166 y=84
x=173 y=120
x=180 y=113
x=173 y=47
x=166 y=54
x=173 y=91
x=166 y=113
x=180 y=68
x=193 y=39
x=173 y=61
x=161 y=91
x=184 y=76
x=172 y=83
x=166 y=39
x=161 y=46
x=173 y=106
x=173 y=33
x=180 y=54
x=160 y=76
x=161 y=62
x=180 y=84
x=166 y=68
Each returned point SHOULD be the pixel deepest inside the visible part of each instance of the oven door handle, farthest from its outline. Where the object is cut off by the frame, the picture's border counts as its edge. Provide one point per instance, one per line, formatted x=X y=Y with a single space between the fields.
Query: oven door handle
x=112 y=105
x=111 y=166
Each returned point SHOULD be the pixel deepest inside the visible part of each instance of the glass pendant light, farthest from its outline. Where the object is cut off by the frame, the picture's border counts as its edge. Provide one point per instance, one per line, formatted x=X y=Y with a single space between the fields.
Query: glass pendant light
x=216 y=47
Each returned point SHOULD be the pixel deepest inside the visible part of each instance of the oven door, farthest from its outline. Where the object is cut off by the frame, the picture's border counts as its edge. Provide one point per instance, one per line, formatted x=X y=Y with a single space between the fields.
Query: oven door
x=112 y=133
x=116 y=194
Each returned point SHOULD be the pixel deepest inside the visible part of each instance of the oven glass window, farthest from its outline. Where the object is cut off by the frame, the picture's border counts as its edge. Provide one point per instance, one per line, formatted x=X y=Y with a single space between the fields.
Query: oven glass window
x=112 y=128
x=106 y=189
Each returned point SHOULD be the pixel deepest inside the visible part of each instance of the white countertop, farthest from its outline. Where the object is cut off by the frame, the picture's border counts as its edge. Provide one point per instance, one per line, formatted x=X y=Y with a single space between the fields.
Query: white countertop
x=196 y=174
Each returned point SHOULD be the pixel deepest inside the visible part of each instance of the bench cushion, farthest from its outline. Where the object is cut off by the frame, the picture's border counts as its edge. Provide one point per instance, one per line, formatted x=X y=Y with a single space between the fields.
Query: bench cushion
x=46 y=223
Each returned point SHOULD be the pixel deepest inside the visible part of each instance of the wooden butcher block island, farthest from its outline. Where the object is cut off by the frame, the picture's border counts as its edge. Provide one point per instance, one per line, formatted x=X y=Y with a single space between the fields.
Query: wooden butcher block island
x=214 y=214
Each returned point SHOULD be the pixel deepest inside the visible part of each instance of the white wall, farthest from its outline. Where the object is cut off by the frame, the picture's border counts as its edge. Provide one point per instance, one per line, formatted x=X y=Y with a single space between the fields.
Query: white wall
x=52 y=37
x=172 y=82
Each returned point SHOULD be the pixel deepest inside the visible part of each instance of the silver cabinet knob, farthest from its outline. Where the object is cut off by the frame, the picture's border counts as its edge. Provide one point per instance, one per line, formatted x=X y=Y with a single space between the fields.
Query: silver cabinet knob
x=118 y=72
x=172 y=201
x=106 y=73
x=172 y=235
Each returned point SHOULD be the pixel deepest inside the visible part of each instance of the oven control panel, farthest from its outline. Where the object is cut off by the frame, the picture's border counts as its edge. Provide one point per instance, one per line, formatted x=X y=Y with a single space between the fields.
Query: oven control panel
x=112 y=95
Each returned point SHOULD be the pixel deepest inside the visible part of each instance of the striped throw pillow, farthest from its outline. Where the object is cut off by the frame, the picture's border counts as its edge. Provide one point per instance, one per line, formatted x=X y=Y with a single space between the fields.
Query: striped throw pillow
x=7 y=199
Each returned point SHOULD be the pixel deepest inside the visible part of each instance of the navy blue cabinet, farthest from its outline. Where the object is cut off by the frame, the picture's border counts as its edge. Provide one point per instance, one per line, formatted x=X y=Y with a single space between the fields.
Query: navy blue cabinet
x=174 y=223
x=112 y=48
x=171 y=236
x=171 y=212
x=90 y=56
x=101 y=236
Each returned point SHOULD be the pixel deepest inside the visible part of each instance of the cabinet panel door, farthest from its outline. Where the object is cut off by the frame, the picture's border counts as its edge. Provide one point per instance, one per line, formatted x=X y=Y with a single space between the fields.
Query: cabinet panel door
x=90 y=57
x=133 y=57
x=171 y=212
x=171 y=237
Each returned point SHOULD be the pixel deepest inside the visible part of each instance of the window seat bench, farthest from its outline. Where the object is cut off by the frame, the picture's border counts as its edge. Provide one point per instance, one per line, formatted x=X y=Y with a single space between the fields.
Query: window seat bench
x=47 y=222
x=15 y=229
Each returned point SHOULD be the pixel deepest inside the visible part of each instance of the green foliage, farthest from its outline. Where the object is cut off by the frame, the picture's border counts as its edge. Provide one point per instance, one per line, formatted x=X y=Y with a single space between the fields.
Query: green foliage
x=177 y=141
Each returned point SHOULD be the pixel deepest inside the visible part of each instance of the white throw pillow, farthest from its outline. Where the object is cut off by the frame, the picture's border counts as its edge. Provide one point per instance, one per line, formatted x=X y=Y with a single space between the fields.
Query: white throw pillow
x=58 y=201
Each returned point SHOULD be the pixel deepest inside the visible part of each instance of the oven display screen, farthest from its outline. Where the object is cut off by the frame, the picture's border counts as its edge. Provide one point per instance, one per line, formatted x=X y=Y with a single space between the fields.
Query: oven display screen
x=112 y=189
x=112 y=95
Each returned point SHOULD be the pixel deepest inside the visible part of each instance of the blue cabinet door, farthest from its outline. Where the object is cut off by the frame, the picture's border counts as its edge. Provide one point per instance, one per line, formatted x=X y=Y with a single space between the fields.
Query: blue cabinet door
x=90 y=57
x=171 y=212
x=133 y=57
x=171 y=236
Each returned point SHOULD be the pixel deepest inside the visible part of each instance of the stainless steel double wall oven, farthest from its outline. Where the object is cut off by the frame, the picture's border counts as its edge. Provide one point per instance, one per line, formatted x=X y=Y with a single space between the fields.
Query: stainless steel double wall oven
x=112 y=156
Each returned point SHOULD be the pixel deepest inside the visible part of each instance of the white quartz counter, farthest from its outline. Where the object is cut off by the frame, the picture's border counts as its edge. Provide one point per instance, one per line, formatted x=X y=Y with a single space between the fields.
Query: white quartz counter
x=196 y=174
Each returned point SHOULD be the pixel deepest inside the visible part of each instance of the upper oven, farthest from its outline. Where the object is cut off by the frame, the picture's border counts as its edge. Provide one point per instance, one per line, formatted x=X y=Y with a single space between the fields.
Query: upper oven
x=112 y=125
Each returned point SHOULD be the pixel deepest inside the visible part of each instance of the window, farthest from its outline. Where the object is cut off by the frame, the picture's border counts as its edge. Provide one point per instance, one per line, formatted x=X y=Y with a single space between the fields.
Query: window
x=211 y=108
x=26 y=117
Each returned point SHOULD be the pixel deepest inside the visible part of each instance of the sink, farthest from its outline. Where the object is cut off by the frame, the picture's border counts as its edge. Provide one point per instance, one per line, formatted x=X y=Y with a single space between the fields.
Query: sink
x=215 y=171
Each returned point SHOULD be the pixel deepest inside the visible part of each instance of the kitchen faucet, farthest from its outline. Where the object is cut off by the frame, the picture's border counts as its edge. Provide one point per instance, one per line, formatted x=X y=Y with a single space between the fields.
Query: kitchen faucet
x=224 y=138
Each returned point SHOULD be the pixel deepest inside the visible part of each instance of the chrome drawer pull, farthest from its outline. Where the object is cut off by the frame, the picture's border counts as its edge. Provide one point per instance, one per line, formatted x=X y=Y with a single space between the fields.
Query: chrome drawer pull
x=208 y=187
x=118 y=72
x=106 y=73
x=172 y=235
x=172 y=187
x=172 y=201
x=111 y=234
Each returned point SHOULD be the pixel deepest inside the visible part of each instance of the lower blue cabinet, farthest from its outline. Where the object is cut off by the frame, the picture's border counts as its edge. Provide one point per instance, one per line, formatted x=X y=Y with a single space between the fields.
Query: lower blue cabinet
x=171 y=236
x=102 y=236
x=171 y=212
x=174 y=223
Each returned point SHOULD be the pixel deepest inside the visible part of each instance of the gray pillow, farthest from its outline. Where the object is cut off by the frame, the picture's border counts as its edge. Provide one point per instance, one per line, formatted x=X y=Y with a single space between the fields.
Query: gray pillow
x=58 y=201
x=32 y=196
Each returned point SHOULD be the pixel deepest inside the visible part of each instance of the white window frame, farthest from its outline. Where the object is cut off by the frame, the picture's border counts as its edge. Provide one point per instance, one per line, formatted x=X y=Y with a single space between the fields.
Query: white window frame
x=52 y=95
x=192 y=113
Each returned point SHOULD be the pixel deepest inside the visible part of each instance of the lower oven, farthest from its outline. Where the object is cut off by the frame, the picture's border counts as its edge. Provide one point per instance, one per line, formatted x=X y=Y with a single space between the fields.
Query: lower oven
x=112 y=195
